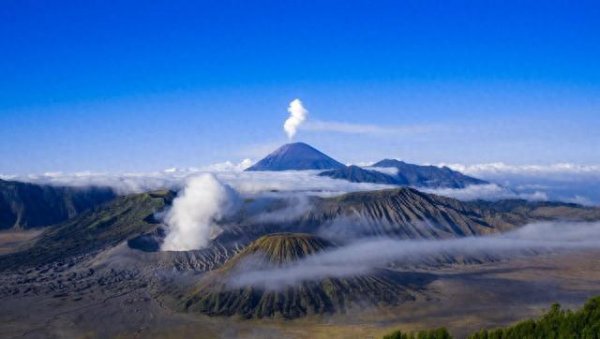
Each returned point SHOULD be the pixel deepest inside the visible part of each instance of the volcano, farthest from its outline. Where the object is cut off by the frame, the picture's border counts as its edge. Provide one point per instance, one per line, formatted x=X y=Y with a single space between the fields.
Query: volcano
x=214 y=295
x=296 y=156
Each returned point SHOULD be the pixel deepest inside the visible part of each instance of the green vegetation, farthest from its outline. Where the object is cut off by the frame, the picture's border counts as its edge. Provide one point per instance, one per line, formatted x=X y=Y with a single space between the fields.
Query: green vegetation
x=439 y=333
x=282 y=248
x=102 y=227
x=24 y=205
x=555 y=324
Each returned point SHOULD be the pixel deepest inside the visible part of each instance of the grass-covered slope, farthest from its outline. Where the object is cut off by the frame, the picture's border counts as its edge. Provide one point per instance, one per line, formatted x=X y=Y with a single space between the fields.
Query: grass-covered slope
x=25 y=205
x=404 y=213
x=556 y=323
x=99 y=228
x=281 y=248
x=213 y=295
x=408 y=213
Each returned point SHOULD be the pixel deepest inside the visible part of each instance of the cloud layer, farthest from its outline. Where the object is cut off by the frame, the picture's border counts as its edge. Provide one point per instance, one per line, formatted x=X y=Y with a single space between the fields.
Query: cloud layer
x=562 y=182
x=486 y=192
x=364 y=256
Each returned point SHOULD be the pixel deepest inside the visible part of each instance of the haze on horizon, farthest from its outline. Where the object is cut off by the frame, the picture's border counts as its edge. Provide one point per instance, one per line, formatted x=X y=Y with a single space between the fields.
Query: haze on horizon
x=144 y=87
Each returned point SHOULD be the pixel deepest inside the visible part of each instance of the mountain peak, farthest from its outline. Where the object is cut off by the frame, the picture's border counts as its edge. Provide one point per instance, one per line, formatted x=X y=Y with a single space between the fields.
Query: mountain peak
x=214 y=294
x=296 y=156
x=279 y=248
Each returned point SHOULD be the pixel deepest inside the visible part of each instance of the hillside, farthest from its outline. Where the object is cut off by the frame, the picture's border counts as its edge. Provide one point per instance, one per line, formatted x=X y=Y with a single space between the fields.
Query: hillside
x=358 y=174
x=100 y=228
x=428 y=176
x=406 y=175
x=405 y=213
x=214 y=296
x=25 y=205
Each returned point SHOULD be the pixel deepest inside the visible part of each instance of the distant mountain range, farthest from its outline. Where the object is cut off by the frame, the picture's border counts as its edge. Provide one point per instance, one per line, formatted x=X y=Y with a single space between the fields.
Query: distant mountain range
x=24 y=205
x=300 y=156
x=406 y=175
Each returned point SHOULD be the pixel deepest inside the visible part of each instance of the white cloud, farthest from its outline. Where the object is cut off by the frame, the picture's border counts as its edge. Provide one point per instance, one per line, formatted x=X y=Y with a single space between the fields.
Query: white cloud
x=228 y=166
x=367 y=254
x=563 y=181
x=561 y=171
x=485 y=192
x=384 y=170
x=247 y=183
x=307 y=182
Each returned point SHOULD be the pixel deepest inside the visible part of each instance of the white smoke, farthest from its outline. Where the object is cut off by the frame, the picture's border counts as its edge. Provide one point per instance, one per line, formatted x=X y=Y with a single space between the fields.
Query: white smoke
x=297 y=116
x=191 y=220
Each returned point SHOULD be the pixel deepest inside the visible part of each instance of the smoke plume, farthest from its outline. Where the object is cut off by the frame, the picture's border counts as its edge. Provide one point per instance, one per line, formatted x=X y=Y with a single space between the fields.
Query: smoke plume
x=297 y=116
x=191 y=220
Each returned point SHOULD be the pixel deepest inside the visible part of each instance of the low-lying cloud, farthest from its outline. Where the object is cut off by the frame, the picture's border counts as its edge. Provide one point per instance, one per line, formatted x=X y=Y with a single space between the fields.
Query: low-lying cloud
x=486 y=192
x=564 y=181
x=367 y=255
x=246 y=183
x=562 y=171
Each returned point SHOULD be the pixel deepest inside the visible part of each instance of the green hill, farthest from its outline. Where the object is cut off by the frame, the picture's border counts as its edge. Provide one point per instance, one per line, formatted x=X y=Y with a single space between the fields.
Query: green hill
x=214 y=296
x=25 y=205
x=97 y=229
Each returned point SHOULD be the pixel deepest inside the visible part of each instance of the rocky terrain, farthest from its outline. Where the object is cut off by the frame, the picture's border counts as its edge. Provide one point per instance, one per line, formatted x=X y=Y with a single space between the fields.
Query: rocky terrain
x=107 y=261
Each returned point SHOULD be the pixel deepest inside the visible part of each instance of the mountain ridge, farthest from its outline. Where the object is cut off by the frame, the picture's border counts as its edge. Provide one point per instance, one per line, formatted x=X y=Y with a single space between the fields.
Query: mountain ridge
x=26 y=205
x=407 y=175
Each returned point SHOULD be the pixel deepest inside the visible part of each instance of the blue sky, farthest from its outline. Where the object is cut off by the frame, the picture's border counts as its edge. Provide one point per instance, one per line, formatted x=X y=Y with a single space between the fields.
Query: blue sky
x=139 y=86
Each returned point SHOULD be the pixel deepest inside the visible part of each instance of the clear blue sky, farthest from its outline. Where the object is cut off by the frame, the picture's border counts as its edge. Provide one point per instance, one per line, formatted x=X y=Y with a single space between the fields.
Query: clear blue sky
x=146 y=85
